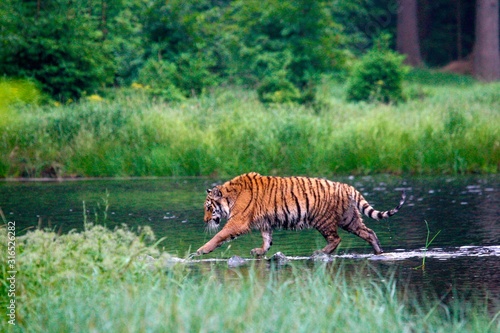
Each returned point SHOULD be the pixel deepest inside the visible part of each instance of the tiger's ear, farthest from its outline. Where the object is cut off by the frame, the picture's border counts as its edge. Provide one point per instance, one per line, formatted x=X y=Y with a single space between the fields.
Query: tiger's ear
x=209 y=190
x=215 y=193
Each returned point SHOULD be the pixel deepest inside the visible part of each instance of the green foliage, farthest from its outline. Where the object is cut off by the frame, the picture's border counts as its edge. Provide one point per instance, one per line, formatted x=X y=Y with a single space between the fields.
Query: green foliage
x=277 y=89
x=59 y=45
x=194 y=75
x=95 y=251
x=272 y=44
x=378 y=76
x=15 y=93
x=159 y=78
x=97 y=279
x=286 y=42
x=18 y=91
x=229 y=131
x=76 y=49
x=181 y=36
x=427 y=244
x=126 y=39
x=435 y=78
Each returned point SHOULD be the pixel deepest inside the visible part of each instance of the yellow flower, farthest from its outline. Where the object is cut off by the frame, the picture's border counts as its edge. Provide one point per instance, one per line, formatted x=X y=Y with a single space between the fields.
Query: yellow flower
x=95 y=98
x=136 y=85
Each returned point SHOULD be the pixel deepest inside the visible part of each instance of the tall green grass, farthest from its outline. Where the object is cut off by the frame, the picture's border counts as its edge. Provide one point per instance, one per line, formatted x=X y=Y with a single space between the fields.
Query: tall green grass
x=96 y=281
x=452 y=127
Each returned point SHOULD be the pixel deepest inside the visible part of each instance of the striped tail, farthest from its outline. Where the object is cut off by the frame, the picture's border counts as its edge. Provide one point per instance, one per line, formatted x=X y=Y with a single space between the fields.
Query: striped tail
x=365 y=208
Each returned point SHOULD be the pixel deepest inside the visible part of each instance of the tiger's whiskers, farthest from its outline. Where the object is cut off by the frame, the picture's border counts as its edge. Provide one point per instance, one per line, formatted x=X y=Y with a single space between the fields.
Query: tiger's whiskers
x=212 y=228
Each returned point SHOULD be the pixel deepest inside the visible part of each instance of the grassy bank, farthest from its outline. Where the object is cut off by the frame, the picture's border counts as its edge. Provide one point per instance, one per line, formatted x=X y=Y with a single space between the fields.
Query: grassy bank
x=95 y=281
x=449 y=124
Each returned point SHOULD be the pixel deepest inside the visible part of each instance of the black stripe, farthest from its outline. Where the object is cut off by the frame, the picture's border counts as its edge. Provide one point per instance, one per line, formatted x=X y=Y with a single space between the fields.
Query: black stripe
x=339 y=200
x=299 y=212
x=286 y=209
x=322 y=190
x=254 y=192
x=365 y=206
x=308 y=204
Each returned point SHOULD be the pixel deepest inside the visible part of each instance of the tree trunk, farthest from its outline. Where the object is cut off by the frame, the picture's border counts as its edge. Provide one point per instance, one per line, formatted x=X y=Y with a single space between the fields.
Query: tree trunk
x=486 y=48
x=459 y=29
x=407 y=32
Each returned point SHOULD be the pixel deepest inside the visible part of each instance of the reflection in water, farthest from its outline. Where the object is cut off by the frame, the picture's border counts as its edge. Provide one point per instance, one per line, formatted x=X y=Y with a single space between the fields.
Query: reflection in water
x=464 y=278
x=463 y=208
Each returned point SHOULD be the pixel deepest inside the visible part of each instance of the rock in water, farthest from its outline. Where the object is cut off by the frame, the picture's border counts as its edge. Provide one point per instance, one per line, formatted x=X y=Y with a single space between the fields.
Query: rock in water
x=320 y=256
x=279 y=258
x=236 y=261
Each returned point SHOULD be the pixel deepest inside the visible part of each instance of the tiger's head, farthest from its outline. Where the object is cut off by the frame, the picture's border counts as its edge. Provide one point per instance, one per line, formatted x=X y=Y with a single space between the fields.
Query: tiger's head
x=215 y=208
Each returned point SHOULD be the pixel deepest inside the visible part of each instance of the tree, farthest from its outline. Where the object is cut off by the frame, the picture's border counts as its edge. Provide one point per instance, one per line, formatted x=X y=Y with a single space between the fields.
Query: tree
x=57 y=43
x=407 y=32
x=486 y=62
x=284 y=46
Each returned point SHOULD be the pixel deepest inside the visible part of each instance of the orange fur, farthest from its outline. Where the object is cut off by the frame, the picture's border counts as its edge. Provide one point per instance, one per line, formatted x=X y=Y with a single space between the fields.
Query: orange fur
x=252 y=201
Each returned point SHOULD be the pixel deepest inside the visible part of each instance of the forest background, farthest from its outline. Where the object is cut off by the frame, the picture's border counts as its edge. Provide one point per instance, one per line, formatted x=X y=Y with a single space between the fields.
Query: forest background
x=78 y=76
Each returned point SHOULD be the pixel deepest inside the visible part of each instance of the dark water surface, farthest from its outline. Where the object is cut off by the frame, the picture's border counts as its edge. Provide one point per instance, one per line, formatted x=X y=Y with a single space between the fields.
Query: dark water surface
x=465 y=209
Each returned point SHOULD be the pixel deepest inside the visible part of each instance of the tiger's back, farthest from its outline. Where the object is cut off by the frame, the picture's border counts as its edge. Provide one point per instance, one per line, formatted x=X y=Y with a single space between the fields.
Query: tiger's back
x=252 y=201
x=295 y=202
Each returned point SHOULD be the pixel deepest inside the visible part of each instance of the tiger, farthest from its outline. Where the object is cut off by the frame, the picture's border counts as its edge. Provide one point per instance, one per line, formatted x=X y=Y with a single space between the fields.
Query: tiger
x=264 y=203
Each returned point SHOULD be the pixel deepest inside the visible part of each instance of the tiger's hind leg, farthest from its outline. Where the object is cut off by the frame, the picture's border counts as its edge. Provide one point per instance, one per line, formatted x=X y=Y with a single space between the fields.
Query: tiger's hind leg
x=332 y=238
x=267 y=237
x=354 y=224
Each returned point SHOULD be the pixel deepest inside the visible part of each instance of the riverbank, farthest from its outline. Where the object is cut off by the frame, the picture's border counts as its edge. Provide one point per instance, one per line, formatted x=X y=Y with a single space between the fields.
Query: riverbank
x=449 y=124
x=99 y=280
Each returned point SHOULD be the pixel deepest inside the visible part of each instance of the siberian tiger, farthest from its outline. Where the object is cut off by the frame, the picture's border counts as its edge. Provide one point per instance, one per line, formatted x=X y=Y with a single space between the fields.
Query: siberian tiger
x=251 y=201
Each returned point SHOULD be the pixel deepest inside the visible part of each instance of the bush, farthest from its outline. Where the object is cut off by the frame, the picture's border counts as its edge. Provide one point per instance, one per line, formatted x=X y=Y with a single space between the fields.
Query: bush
x=158 y=76
x=174 y=81
x=59 y=45
x=378 y=76
x=14 y=91
x=97 y=279
x=277 y=89
x=193 y=73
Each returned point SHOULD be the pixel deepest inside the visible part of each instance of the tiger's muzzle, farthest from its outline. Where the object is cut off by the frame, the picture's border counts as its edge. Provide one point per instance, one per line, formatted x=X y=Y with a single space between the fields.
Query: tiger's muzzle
x=213 y=224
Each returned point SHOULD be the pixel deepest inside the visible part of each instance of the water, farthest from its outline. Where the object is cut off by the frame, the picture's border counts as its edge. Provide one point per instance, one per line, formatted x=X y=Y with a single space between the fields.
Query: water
x=464 y=209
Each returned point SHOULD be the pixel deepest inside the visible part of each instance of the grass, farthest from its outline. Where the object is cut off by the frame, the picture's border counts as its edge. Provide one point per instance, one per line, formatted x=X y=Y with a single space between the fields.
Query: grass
x=449 y=126
x=428 y=243
x=95 y=281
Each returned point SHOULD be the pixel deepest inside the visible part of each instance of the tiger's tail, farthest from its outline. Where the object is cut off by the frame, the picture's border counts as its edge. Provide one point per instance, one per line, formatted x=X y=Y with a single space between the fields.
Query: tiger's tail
x=365 y=208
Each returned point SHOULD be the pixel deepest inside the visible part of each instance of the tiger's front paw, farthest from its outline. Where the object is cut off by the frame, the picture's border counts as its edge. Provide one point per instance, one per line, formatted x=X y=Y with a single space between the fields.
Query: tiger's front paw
x=201 y=251
x=257 y=252
x=191 y=256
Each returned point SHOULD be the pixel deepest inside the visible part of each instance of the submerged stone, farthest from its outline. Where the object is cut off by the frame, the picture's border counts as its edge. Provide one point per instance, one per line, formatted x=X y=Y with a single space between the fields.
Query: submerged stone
x=236 y=261
x=279 y=258
x=320 y=256
x=383 y=256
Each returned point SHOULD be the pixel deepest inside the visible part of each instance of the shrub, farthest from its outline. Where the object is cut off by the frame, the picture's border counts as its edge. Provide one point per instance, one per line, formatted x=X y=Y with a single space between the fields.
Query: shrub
x=378 y=76
x=173 y=81
x=16 y=92
x=19 y=91
x=193 y=73
x=158 y=76
x=59 y=45
x=277 y=89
